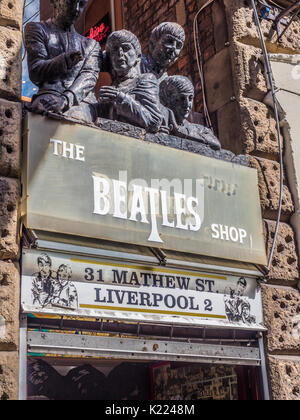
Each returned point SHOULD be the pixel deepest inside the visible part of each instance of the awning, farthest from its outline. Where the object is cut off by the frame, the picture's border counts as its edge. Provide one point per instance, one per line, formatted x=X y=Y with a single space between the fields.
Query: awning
x=72 y=345
x=115 y=250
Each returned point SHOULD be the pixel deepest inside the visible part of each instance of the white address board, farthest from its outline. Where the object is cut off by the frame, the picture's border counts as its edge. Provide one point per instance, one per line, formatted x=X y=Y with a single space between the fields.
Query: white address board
x=54 y=283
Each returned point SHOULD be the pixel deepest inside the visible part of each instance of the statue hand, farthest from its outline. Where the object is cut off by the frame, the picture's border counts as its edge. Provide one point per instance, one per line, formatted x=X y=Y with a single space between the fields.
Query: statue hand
x=108 y=94
x=50 y=103
x=73 y=58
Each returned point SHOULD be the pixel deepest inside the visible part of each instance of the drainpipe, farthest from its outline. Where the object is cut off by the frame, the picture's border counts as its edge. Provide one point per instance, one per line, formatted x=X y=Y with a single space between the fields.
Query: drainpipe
x=113 y=15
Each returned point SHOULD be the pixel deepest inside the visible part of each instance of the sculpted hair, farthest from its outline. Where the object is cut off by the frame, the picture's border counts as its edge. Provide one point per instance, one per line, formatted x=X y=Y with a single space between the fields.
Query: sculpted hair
x=170 y=28
x=123 y=36
x=174 y=84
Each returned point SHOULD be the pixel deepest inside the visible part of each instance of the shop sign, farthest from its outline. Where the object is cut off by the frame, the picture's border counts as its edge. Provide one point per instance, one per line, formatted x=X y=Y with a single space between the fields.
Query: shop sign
x=87 y=182
x=54 y=283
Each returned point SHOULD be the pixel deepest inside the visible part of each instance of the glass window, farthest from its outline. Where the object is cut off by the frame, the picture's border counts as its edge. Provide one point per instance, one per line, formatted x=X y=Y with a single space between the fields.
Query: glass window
x=31 y=14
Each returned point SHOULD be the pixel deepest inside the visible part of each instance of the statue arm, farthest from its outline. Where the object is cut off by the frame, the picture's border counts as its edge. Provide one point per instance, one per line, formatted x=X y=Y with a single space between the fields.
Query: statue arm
x=198 y=132
x=86 y=80
x=142 y=106
x=40 y=67
x=212 y=140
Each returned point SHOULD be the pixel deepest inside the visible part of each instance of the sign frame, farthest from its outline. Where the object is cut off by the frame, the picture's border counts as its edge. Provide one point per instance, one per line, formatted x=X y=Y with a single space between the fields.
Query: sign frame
x=62 y=284
x=57 y=172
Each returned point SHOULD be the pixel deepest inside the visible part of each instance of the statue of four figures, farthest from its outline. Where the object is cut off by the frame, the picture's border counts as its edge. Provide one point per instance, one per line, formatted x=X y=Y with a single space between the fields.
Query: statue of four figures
x=65 y=66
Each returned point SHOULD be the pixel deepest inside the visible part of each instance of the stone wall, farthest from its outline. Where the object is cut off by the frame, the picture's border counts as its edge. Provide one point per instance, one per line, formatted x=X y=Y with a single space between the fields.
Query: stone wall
x=236 y=74
x=10 y=166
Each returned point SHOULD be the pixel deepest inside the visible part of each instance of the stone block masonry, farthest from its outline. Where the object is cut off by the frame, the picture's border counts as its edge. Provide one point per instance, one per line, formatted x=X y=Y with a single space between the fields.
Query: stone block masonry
x=10 y=168
x=247 y=125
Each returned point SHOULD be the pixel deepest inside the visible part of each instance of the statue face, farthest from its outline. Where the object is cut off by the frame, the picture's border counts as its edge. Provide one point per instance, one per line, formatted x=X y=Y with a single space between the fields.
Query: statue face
x=123 y=57
x=68 y=11
x=166 y=51
x=181 y=104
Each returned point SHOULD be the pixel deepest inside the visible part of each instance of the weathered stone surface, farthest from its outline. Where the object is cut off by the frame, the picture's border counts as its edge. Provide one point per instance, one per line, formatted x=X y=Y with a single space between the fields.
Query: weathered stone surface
x=10 y=63
x=9 y=199
x=121 y=128
x=162 y=139
x=9 y=306
x=248 y=127
x=10 y=138
x=281 y=308
x=258 y=128
x=218 y=80
x=9 y=375
x=269 y=187
x=11 y=12
x=240 y=17
x=249 y=72
x=284 y=373
x=284 y=267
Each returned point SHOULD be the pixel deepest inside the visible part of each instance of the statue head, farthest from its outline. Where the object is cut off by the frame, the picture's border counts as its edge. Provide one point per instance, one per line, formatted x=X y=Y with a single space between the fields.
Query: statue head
x=66 y=12
x=177 y=93
x=124 y=53
x=166 y=43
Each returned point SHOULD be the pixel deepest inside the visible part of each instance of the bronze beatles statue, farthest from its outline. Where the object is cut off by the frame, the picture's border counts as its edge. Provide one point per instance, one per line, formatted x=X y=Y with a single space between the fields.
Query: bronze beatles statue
x=65 y=66
x=165 y=45
x=177 y=96
x=133 y=97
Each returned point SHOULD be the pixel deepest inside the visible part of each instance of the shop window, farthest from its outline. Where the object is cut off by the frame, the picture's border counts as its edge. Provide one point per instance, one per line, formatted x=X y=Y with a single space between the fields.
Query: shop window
x=55 y=379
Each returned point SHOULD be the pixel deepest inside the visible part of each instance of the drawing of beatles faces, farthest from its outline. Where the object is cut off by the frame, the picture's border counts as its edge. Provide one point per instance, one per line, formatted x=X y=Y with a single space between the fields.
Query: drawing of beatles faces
x=44 y=264
x=241 y=287
x=64 y=274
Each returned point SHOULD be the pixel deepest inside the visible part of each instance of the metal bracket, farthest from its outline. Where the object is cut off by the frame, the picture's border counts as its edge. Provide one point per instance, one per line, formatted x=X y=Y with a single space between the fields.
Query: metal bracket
x=140 y=349
x=29 y=238
x=278 y=17
x=160 y=255
x=278 y=21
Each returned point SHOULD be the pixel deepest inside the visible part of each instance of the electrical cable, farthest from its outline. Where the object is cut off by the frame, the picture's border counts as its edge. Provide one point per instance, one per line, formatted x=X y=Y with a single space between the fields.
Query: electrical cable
x=270 y=77
x=199 y=62
x=23 y=14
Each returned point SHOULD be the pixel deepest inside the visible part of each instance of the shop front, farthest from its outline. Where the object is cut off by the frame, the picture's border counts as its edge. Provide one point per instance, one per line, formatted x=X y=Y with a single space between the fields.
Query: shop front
x=141 y=270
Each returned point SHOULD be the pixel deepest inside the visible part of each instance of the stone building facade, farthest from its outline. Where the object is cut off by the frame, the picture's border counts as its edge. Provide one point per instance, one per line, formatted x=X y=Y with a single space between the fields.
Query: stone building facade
x=236 y=87
x=10 y=168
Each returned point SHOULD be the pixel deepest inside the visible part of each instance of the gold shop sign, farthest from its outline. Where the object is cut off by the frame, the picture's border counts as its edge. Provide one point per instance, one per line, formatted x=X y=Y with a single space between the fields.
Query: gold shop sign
x=87 y=182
